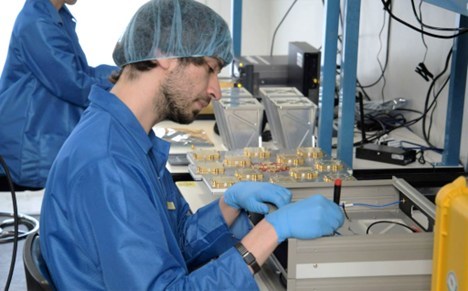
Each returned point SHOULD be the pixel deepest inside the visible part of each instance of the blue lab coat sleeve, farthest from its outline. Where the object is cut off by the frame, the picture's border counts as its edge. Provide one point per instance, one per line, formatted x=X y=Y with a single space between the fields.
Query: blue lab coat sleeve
x=52 y=58
x=205 y=234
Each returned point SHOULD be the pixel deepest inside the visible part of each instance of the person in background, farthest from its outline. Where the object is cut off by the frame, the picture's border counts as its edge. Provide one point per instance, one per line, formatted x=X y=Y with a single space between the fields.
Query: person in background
x=113 y=219
x=44 y=89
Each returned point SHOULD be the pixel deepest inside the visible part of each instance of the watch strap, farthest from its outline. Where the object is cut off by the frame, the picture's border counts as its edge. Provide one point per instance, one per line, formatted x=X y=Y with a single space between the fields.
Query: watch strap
x=248 y=257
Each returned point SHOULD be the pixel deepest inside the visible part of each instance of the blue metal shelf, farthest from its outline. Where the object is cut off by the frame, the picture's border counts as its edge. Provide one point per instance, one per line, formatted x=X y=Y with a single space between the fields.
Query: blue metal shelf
x=457 y=85
x=236 y=23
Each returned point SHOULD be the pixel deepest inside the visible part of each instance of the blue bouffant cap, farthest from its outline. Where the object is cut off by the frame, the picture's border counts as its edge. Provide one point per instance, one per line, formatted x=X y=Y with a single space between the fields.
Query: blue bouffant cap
x=174 y=29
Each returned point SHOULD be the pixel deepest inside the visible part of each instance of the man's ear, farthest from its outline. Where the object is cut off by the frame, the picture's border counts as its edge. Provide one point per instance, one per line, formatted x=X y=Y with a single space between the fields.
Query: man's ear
x=166 y=63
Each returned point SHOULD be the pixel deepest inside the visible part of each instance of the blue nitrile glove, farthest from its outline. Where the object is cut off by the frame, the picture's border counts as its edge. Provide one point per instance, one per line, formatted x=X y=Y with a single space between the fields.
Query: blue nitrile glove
x=309 y=218
x=252 y=196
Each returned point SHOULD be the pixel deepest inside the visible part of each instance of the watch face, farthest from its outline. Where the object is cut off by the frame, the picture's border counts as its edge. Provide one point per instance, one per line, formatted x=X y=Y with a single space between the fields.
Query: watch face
x=249 y=258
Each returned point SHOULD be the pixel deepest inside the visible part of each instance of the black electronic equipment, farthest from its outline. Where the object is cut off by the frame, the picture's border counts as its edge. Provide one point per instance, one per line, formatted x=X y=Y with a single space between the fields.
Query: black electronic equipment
x=385 y=154
x=304 y=69
x=255 y=71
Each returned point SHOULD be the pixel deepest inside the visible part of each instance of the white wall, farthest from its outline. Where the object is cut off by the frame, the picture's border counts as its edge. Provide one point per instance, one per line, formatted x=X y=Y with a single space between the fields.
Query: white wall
x=8 y=12
x=100 y=23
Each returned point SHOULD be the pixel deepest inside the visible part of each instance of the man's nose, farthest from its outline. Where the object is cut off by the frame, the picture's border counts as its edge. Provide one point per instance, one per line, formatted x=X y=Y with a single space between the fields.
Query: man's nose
x=214 y=89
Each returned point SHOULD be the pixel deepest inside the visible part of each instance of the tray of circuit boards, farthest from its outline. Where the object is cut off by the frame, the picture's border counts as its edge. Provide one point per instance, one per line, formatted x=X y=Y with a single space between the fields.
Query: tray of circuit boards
x=221 y=169
x=385 y=243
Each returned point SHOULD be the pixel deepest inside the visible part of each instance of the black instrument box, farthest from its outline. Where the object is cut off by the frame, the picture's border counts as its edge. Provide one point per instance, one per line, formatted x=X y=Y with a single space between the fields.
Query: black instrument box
x=385 y=154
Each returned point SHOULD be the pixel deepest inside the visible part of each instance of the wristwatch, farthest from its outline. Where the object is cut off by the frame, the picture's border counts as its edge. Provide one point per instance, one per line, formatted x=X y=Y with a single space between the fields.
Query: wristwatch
x=249 y=259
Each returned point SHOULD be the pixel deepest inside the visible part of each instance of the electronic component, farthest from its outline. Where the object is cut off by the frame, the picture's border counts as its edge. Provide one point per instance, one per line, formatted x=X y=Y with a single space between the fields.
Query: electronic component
x=310 y=152
x=237 y=161
x=222 y=182
x=205 y=155
x=248 y=174
x=214 y=168
x=257 y=152
x=329 y=165
x=385 y=154
x=300 y=69
x=255 y=71
x=303 y=173
x=304 y=69
x=290 y=159
x=337 y=191
x=282 y=166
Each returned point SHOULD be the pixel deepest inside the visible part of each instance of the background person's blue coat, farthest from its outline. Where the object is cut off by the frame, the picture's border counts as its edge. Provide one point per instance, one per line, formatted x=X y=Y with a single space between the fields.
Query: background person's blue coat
x=44 y=89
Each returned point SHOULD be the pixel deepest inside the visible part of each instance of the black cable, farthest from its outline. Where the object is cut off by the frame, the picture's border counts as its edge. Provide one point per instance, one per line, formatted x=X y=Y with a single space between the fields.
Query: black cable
x=277 y=27
x=378 y=60
x=283 y=280
x=384 y=67
x=420 y=146
x=15 y=223
x=421 y=158
x=428 y=107
x=433 y=109
x=345 y=212
x=362 y=89
x=386 y=120
x=419 y=19
x=390 y=222
x=361 y=118
x=387 y=4
x=409 y=110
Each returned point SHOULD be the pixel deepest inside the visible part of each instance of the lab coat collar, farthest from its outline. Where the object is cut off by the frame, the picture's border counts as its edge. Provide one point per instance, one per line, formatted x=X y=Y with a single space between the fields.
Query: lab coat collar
x=160 y=151
x=56 y=14
x=64 y=10
x=115 y=107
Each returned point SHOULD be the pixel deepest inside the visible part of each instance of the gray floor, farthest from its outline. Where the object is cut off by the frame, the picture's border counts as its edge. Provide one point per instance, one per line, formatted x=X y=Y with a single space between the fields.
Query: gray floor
x=28 y=202
x=18 y=281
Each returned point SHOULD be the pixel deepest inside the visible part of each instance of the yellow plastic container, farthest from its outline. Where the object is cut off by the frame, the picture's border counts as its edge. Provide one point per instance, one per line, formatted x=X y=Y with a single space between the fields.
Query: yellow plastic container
x=450 y=258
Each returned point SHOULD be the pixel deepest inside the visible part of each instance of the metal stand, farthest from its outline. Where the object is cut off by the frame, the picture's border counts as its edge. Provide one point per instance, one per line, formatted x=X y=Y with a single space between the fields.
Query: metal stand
x=27 y=225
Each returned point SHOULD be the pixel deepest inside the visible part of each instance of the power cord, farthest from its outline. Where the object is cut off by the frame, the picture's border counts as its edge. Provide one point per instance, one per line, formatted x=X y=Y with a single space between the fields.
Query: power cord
x=389 y=222
x=278 y=26
x=387 y=6
x=15 y=223
x=427 y=106
x=419 y=19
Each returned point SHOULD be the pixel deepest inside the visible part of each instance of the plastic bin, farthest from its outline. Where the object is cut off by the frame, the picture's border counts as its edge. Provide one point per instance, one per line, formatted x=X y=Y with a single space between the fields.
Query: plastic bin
x=450 y=259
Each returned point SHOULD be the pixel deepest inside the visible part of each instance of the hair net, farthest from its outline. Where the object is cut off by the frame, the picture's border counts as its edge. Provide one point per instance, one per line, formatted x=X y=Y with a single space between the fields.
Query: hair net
x=174 y=29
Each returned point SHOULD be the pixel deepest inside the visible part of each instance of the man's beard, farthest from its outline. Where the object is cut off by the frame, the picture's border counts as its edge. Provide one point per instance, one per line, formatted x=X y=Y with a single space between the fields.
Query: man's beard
x=176 y=108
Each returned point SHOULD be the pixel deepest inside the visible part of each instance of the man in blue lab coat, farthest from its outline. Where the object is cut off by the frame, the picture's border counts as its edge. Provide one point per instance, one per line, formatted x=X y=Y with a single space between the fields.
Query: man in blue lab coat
x=112 y=217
